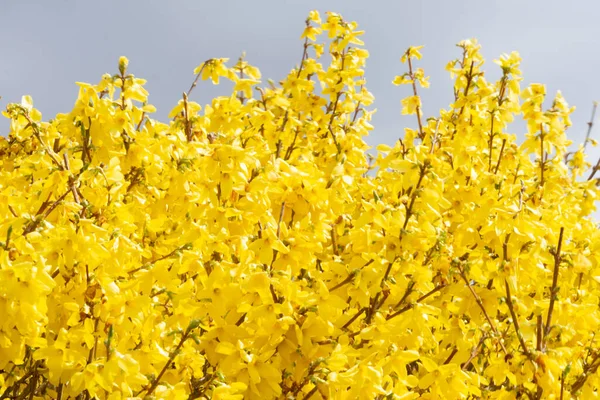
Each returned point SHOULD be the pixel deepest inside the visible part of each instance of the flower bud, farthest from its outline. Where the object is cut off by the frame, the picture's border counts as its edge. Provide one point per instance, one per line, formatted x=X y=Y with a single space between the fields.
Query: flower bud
x=123 y=63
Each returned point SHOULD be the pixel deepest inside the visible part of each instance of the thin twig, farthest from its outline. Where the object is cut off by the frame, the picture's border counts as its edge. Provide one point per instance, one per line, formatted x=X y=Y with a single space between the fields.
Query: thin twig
x=513 y=314
x=351 y=320
x=197 y=77
x=172 y=356
x=39 y=218
x=542 y=162
x=38 y=136
x=474 y=353
x=589 y=370
x=188 y=127
x=409 y=213
x=554 y=289
x=419 y=300
x=414 y=86
x=281 y=212
x=509 y=302
x=500 y=157
x=480 y=304
x=590 y=125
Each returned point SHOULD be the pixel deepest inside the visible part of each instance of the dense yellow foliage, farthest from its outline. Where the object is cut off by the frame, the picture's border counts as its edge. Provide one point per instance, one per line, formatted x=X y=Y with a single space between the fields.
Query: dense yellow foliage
x=252 y=249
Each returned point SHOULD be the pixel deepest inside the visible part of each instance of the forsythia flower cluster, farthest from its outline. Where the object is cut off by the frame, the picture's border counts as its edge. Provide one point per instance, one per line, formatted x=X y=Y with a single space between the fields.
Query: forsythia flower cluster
x=252 y=249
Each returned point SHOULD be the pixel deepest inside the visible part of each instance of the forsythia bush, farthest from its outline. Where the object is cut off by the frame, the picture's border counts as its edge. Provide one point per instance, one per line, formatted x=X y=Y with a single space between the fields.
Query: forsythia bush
x=254 y=250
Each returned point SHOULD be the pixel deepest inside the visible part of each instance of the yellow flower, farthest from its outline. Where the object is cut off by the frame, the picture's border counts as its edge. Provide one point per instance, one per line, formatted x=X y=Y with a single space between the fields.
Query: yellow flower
x=410 y=104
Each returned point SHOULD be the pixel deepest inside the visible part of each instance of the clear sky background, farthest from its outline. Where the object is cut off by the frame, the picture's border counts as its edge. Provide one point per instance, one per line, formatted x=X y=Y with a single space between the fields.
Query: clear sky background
x=49 y=45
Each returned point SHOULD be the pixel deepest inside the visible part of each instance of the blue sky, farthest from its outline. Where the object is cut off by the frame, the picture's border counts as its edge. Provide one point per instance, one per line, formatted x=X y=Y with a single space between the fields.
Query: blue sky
x=49 y=45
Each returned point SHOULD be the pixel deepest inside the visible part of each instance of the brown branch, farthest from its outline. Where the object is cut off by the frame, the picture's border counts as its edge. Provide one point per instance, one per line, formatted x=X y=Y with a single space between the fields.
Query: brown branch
x=554 y=289
x=467 y=87
x=348 y=279
x=509 y=301
x=139 y=125
x=72 y=179
x=474 y=353
x=150 y=263
x=414 y=86
x=38 y=136
x=419 y=300
x=500 y=157
x=407 y=292
x=539 y=333
x=491 y=142
x=409 y=213
x=291 y=148
x=513 y=314
x=12 y=211
x=59 y=391
x=197 y=77
x=334 y=109
x=188 y=126
x=351 y=320
x=297 y=387
x=279 y=143
x=174 y=353
x=588 y=370
x=480 y=304
x=590 y=125
x=281 y=212
x=304 y=55
x=351 y=276
x=451 y=356
x=32 y=225
x=410 y=209
x=542 y=162
x=311 y=393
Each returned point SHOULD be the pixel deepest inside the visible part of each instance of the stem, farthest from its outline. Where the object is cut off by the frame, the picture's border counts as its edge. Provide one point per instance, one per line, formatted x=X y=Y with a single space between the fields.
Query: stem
x=72 y=179
x=350 y=277
x=554 y=289
x=474 y=353
x=38 y=220
x=539 y=333
x=139 y=125
x=513 y=314
x=588 y=370
x=419 y=300
x=358 y=314
x=500 y=156
x=407 y=292
x=414 y=86
x=409 y=210
x=542 y=162
x=467 y=87
x=172 y=356
x=59 y=391
x=451 y=356
x=590 y=125
x=281 y=212
x=480 y=304
x=150 y=263
x=38 y=136
x=289 y=150
x=188 y=127
x=304 y=55
x=509 y=302
x=197 y=77
x=491 y=143
x=311 y=393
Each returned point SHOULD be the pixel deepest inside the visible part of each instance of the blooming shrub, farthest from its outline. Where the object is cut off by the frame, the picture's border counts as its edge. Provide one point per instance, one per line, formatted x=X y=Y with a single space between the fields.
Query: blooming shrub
x=252 y=249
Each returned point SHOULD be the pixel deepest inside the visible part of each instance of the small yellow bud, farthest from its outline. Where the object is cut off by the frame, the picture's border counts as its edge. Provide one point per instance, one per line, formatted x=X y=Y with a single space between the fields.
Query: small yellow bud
x=123 y=63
